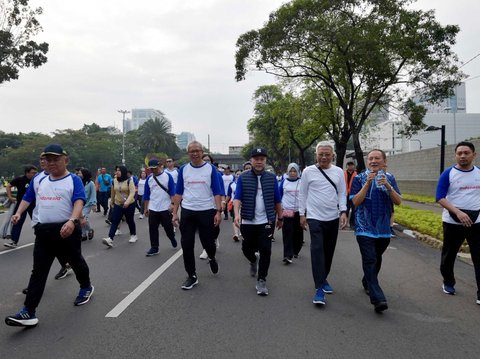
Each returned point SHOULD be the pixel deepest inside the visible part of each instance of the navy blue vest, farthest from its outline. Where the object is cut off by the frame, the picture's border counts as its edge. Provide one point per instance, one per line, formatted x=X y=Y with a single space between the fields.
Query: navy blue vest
x=249 y=194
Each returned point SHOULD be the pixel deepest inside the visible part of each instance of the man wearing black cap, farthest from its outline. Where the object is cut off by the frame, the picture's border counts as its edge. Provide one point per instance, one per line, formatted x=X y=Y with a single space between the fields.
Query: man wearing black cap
x=60 y=197
x=258 y=195
x=158 y=199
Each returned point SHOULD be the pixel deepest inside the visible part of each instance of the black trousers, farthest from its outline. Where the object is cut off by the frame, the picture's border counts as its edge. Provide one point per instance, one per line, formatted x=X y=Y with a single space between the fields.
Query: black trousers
x=190 y=221
x=48 y=245
x=453 y=237
x=292 y=234
x=155 y=219
x=258 y=237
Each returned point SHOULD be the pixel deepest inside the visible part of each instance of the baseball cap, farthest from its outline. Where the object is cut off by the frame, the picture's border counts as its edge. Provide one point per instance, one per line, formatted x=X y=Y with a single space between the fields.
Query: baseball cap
x=55 y=150
x=153 y=163
x=259 y=151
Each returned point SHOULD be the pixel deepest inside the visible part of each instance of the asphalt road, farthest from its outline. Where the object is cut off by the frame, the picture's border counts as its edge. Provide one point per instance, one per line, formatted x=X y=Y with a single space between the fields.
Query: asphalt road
x=222 y=317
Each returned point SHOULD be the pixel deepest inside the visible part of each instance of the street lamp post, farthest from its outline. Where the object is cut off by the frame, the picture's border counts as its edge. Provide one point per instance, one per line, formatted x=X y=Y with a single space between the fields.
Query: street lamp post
x=123 y=112
x=442 y=144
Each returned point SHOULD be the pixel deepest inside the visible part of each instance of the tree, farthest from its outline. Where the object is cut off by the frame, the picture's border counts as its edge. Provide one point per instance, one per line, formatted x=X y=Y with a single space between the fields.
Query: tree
x=364 y=54
x=18 y=24
x=155 y=136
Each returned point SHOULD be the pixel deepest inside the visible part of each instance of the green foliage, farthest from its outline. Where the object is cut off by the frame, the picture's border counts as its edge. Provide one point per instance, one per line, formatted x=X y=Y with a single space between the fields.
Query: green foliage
x=418 y=198
x=18 y=23
x=155 y=135
x=285 y=124
x=425 y=222
x=365 y=54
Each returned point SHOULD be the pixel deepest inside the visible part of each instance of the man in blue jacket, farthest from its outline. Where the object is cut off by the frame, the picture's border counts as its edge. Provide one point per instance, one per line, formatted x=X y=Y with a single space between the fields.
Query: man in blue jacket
x=258 y=196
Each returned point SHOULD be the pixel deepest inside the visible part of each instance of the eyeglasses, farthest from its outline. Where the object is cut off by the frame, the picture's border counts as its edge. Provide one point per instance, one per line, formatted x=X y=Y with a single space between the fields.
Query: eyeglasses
x=53 y=159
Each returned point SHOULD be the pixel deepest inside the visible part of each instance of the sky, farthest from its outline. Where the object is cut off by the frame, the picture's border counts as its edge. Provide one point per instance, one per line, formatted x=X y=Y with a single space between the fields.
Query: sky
x=174 y=56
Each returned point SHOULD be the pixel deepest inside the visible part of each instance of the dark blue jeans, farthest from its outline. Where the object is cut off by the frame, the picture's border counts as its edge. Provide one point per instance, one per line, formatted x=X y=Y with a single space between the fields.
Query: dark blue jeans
x=323 y=240
x=117 y=213
x=17 y=228
x=103 y=201
x=372 y=250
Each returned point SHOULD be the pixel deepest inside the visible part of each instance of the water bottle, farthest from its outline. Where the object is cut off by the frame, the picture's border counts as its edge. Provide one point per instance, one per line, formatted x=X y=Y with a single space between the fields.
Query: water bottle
x=380 y=175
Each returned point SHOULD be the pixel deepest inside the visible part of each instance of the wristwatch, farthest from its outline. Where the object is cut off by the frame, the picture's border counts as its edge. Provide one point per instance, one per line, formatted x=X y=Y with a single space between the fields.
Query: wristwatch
x=75 y=221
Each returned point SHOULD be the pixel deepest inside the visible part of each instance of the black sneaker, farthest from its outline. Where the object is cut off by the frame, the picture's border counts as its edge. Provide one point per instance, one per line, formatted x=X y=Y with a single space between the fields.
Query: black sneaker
x=91 y=233
x=25 y=291
x=152 y=252
x=213 y=265
x=84 y=295
x=63 y=272
x=23 y=318
x=380 y=306
x=190 y=282
x=107 y=221
x=174 y=243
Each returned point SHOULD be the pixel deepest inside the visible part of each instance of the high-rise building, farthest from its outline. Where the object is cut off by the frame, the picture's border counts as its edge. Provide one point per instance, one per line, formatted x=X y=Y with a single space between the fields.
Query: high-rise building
x=142 y=115
x=184 y=138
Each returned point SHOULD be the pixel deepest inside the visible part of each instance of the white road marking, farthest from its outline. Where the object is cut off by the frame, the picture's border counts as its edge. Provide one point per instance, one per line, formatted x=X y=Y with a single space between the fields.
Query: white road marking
x=17 y=248
x=129 y=299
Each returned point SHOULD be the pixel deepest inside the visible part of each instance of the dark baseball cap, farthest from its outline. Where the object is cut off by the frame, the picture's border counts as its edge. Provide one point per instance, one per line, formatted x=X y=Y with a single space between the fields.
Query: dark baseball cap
x=153 y=163
x=55 y=150
x=259 y=151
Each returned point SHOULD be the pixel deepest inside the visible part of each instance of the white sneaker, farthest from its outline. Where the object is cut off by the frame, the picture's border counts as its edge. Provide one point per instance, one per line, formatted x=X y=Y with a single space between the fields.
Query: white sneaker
x=117 y=232
x=140 y=216
x=133 y=239
x=108 y=242
x=217 y=243
x=10 y=244
x=204 y=255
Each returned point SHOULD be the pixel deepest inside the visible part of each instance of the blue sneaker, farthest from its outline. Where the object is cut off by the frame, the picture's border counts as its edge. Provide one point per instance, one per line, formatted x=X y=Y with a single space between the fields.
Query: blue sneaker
x=23 y=318
x=327 y=288
x=319 y=297
x=84 y=296
x=152 y=252
x=448 y=289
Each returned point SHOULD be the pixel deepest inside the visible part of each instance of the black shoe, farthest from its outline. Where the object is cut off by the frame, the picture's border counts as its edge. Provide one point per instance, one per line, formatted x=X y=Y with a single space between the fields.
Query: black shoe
x=190 y=282
x=84 y=238
x=91 y=233
x=25 y=291
x=174 y=243
x=63 y=272
x=380 y=307
x=213 y=265
x=107 y=221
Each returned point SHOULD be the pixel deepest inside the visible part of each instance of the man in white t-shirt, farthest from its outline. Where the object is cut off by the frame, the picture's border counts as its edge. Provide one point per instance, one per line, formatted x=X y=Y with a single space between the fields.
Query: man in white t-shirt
x=458 y=192
x=158 y=196
x=199 y=192
x=171 y=170
x=322 y=198
x=59 y=199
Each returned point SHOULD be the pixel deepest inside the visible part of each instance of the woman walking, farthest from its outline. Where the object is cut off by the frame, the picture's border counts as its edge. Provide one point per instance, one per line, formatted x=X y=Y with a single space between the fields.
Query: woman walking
x=292 y=230
x=123 y=203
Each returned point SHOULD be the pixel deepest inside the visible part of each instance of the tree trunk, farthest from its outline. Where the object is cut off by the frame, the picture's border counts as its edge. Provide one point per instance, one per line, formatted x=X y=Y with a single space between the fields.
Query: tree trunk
x=358 y=151
x=340 y=149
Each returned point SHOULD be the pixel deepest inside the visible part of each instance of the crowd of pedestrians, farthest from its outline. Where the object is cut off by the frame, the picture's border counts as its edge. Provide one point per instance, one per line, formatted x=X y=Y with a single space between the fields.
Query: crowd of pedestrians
x=195 y=198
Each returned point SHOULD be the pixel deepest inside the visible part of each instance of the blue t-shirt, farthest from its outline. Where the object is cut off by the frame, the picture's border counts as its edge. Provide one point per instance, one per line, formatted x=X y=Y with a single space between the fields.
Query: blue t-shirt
x=105 y=182
x=372 y=216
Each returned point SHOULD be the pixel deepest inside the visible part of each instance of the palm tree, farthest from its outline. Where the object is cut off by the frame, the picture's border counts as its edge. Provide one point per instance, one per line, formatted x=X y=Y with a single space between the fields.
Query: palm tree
x=155 y=136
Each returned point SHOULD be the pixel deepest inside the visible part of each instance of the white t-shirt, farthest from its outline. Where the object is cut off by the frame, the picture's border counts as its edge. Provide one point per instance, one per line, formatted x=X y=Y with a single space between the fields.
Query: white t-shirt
x=159 y=199
x=291 y=191
x=173 y=173
x=198 y=186
x=141 y=186
x=317 y=195
x=227 y=179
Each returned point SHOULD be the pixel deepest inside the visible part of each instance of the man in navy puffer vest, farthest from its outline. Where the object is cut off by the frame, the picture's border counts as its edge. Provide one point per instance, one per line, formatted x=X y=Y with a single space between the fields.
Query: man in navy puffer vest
x=258 y=196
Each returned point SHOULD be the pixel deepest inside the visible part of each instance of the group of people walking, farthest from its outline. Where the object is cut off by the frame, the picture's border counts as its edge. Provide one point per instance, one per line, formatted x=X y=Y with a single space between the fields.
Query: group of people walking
x=196 y=197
